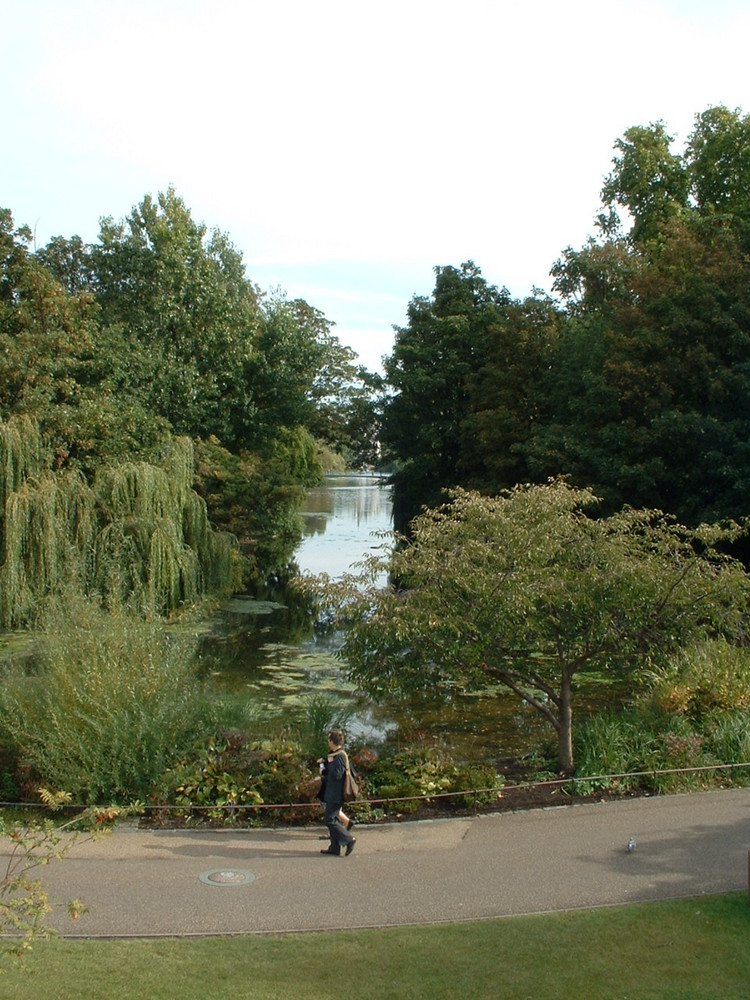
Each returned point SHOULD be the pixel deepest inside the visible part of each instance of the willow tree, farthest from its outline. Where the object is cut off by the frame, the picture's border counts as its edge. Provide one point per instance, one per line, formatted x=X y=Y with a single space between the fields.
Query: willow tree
x=20 y=454
x=528 y=591
x=139 y=531
x=26 y=555
x=157 y=541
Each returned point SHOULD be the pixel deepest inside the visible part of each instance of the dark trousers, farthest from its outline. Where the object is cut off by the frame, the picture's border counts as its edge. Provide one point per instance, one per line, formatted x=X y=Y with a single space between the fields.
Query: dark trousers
x=340 y=836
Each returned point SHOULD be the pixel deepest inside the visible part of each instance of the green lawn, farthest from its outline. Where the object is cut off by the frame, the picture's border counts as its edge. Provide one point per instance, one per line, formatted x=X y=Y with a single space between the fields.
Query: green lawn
x=696 y=949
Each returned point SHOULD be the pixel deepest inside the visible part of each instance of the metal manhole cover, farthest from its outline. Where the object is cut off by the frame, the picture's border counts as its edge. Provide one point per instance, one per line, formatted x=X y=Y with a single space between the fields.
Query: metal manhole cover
x=227 y=876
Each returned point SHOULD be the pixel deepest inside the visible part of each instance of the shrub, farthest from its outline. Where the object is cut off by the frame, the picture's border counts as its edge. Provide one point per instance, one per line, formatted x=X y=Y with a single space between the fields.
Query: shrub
x=420 y=774
x=612 y=744
x=111 y=703
x=698 y=681
x=657 y=751
x=233 y=773
x=727 y=736
x=319 y=714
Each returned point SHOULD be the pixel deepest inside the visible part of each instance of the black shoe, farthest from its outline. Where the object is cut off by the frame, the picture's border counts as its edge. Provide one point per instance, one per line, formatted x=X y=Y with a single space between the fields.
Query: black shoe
x=350 y=847
x=335 y=854
x=350 y=824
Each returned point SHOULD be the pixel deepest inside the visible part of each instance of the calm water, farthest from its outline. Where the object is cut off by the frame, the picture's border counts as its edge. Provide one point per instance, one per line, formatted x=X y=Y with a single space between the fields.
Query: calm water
x=272 y=653
x=341 y=520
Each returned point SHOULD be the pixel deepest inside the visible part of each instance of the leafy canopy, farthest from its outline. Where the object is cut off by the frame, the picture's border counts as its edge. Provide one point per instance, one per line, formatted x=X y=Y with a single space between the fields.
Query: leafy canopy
x=527 y=590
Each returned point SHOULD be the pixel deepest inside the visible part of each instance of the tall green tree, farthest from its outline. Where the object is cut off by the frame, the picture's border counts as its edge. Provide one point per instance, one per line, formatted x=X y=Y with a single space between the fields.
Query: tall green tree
x=188 y=313
x=303 y=376
x=503 y=394
x=434 y=356
x=55 y=365
x=528 y=591
x=464 y=378
x=648 y=180
x=717 y=160
x=647 y=395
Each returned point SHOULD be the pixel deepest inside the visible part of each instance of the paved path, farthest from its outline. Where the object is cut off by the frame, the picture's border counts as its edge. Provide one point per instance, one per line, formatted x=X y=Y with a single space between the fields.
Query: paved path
x=146 y=883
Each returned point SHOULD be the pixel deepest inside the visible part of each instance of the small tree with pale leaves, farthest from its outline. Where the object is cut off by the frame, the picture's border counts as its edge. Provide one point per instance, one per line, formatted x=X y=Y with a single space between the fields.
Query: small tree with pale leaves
x=530 y=591
x=24 y=901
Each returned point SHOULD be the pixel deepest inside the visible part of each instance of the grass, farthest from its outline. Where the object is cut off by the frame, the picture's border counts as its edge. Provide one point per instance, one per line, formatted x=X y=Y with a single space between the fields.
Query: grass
x=694 y=949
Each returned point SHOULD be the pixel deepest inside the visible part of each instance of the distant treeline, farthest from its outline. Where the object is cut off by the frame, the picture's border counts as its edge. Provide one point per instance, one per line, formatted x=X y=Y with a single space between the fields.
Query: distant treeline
x=153 y=405
x=161 y=418
x=634 y=380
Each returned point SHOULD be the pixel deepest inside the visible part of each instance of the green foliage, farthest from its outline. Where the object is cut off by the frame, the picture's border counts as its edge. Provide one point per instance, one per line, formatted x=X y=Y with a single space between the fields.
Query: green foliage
x=620 y=744
x=727 y=734
x=656 y=355
x=424 y=774
x=648 y=180
x=161 y=528
x=637 y=387
x=655 y=360
x=234 y=771
x=56 y=363
x=112 y=702
x=253 y=498
x=320 y=713
x=138 y=532
x=110 y=349
x=709 y=178
x=192 y=317
x=297 y=451
x=718 y=167
x=24 y=900
x=698 y=681
x=527 y=590
x=662 y=751
x=432 y=361
x=694 y=713
x=21 y=454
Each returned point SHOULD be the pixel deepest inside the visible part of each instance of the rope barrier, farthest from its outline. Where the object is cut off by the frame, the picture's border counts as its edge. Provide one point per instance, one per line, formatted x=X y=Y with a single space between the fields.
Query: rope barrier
x=473 y=793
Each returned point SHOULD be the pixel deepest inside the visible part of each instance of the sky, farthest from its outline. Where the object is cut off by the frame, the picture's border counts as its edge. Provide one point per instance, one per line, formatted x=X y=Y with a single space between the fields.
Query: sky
x=349 y=148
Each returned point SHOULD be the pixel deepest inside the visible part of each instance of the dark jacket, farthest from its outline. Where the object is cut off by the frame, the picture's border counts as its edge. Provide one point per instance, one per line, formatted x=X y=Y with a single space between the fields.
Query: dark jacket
x=334 y=773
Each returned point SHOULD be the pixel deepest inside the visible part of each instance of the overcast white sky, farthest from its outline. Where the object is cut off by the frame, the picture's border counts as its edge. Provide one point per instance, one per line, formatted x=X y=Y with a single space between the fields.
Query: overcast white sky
x=347 y=148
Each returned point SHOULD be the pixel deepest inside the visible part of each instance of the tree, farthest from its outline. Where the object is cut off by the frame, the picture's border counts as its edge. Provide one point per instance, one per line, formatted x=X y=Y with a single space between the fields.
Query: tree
x=504 y=405
x=433 y=359
x=190 y=316
x=648 y=179
x=139 y=533
x=258 y=498
x=646 y=398
x=57 y=365
x=24 y=901
x=303 y=376
x=717 y=161
x=528 y=591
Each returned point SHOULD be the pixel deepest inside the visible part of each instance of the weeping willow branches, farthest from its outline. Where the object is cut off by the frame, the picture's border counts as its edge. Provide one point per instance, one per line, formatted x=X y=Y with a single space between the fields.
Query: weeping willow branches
x=138 y=532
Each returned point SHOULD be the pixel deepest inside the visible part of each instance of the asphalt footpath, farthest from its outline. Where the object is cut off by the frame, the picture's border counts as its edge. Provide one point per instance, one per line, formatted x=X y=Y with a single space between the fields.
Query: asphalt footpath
x=167 y=883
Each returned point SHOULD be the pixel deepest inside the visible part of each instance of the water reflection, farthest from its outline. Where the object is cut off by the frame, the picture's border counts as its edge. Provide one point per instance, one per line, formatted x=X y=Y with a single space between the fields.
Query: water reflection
x=340 y=519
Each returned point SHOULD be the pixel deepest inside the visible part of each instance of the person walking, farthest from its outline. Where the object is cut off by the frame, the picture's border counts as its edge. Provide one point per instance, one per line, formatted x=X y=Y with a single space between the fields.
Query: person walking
x=334 y=771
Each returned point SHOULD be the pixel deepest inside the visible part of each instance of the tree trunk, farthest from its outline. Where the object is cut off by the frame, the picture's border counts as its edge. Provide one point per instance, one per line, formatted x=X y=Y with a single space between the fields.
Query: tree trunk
x=565 y=731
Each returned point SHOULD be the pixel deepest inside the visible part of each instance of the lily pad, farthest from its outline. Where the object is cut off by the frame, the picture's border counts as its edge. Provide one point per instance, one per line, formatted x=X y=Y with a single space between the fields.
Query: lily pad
x=251 y=606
